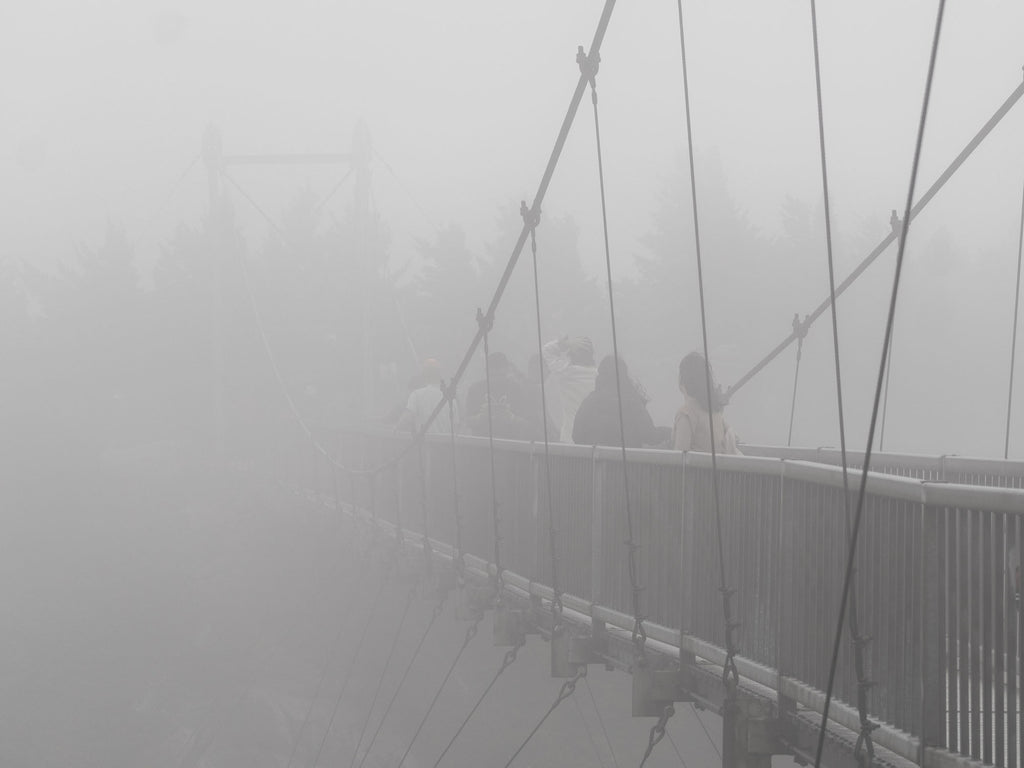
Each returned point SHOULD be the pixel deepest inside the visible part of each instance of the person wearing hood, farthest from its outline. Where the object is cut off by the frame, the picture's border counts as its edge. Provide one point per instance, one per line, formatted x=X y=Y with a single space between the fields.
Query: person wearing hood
x=597 y=420
x=570 y=366
x=691 y=431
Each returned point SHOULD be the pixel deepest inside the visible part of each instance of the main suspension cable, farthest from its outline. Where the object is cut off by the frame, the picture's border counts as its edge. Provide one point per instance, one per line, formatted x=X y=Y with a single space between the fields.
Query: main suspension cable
x=891 y=237
x=1013 y=340
x=589 y=66
x=862 y=493
x=866 y=726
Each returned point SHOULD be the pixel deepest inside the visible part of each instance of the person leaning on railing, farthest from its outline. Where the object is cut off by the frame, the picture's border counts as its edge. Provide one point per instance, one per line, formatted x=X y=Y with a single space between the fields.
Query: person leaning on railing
x=691 y=431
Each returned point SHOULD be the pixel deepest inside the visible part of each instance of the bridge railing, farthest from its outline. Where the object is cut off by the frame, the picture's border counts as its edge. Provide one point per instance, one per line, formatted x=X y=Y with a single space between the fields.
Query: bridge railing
x=968 y=470
x=936 y=583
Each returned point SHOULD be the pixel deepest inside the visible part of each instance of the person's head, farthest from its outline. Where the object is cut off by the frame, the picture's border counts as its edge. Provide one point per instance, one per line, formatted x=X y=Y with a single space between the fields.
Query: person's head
x=606 y=374
x=581 y=351
x=693 y=381
x=431 y=373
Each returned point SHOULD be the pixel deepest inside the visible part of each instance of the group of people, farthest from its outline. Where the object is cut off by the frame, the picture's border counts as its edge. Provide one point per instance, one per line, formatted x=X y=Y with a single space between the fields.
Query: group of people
x=584 y=400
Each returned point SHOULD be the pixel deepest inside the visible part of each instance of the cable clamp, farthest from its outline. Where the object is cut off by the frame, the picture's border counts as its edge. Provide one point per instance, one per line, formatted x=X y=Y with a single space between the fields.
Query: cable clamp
x=800 y=327
x=588 y=65
x=894 y=222
x=531 y=217
x=485 y=322
x=448 y=390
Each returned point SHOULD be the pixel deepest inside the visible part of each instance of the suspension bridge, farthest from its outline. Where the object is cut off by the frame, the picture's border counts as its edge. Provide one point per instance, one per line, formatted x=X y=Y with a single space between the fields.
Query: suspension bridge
x=843 y=608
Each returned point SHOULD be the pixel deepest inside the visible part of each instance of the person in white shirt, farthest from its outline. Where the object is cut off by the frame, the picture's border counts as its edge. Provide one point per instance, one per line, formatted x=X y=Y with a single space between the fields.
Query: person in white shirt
x=571 y=368
x=423 y=401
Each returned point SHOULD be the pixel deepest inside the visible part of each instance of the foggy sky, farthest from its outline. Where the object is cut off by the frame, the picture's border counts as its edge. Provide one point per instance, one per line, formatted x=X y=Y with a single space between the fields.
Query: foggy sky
x=105 y=104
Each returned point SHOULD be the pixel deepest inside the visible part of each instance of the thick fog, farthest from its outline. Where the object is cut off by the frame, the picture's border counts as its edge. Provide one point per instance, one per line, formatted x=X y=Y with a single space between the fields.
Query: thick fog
x=107 y=104
x=160 y=322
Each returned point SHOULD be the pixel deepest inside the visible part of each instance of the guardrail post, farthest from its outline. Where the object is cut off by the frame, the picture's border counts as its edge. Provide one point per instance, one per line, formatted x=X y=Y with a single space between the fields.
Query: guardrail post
x=596 y=531
x=932 y=631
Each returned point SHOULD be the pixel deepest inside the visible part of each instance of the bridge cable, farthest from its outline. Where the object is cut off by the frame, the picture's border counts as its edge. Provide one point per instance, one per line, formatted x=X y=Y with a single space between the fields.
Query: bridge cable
x=863 y=684
x=1013 y=342
x=323 y=677
x=589 y=66
x=600 y=719
x=682 y=760
x=798 y=327
x=531 y=218
x=471 y=632
x=890 y=238
x=198 y=742
x=486 y=325
x=885 y=394
x=438 y=610
x=590 y=736
x=567 y=689
x=548 y=174
x=730 y=675
x=383 y=673
x=510 y=656
x=711 y=739
x=848 y=576
x=657 y=732
x=351 y=667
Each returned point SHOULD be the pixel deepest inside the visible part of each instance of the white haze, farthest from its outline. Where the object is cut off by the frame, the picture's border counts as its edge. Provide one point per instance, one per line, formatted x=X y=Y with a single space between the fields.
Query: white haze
x=105 y=103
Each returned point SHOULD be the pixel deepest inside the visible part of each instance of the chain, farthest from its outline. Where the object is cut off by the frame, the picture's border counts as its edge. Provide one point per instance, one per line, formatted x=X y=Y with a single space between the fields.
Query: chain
x=657 y=732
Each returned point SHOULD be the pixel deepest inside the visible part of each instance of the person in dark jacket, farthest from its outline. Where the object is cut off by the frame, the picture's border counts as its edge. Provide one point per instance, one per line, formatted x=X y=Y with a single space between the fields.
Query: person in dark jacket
x=597 y=420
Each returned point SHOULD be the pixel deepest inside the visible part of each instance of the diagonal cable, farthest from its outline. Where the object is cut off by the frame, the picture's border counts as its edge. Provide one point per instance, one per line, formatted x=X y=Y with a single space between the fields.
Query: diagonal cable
x=438 y=609
x=471 y=631
x=600 y=719
x=862 y=492
x=1013 y=340
x=349 y=670
x=866 y=726
x=510 y=656
x=567 y=690
x=383 y=673
x=320 y=683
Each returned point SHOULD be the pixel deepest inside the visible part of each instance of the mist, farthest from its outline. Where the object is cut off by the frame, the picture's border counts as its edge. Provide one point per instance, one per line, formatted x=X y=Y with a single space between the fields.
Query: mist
x=160 y=322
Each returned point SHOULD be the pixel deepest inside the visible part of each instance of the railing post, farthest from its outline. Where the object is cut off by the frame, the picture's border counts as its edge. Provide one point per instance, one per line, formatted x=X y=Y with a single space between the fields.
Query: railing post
x=596 y=531
x=931 y=654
